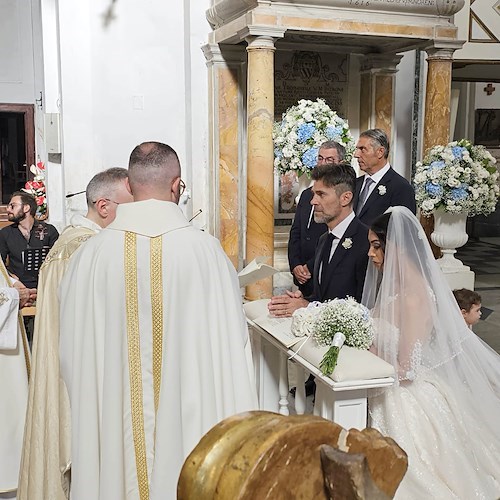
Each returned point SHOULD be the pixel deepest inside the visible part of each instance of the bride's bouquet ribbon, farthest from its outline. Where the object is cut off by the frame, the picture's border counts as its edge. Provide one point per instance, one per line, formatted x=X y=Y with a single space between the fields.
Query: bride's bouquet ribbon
x=329 y=361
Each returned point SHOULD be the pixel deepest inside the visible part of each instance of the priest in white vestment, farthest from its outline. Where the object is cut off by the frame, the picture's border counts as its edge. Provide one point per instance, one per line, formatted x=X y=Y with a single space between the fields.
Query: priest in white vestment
x=153 y=341
x=45 y=460
x=14 y=374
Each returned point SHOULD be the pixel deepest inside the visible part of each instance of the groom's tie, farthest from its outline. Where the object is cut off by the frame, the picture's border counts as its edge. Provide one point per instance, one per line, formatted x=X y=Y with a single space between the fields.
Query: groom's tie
x=364 y=194
x=325 y=256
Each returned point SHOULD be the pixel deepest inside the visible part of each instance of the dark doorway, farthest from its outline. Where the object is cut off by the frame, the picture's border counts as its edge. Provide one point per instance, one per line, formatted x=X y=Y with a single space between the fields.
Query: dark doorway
x=17 y=149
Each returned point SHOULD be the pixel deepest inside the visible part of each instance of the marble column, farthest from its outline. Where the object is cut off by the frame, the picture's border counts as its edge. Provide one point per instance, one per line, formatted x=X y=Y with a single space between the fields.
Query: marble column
x=437 y=114
x=437 y=97
x=378 y=91
x=437 y=131
x=226 y=141
x=260 y=156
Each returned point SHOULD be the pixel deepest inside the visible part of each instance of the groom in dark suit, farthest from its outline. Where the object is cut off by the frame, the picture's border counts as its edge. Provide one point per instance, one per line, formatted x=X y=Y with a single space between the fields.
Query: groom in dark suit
x=305 y=232
x=381 y=187
x=341 y=256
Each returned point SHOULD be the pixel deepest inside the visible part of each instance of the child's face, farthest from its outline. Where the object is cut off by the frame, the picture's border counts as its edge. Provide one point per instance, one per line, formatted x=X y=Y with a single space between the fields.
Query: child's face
x=473 y=315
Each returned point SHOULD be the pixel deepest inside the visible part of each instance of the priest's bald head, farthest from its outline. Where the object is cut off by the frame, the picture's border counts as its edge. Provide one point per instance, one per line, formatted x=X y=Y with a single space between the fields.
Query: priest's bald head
x=154 y=172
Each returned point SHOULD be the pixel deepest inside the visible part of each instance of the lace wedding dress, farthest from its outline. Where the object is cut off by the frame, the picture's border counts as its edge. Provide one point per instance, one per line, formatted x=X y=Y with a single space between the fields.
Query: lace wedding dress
x=444 y=409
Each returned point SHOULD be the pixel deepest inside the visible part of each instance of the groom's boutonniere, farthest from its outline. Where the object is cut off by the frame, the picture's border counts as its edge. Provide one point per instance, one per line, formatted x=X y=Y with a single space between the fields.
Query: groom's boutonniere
x=381 y=190
x=347 y=243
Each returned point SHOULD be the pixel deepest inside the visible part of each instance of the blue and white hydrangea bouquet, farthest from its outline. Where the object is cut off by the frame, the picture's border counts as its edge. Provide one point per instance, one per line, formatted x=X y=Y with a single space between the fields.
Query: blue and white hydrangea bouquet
x=302 y=130
x=460 y=178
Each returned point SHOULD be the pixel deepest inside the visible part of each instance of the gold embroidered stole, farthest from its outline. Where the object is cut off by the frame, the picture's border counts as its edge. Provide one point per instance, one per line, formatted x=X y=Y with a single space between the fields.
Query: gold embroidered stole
x=134 y=347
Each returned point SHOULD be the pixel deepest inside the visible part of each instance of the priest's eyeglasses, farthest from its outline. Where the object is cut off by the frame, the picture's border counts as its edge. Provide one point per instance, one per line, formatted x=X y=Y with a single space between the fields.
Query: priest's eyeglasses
x=182 y=187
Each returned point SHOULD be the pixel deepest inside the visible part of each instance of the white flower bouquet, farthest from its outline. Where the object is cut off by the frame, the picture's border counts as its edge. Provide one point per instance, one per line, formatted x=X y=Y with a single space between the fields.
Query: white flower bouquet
x=304 y=127
x=333 y=324
x=459 y=177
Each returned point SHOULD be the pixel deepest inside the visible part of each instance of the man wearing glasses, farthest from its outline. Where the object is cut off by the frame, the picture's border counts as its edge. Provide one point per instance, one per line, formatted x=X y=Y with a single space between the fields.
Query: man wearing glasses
x=46 y=447
x=26 y=241
x=154 y=347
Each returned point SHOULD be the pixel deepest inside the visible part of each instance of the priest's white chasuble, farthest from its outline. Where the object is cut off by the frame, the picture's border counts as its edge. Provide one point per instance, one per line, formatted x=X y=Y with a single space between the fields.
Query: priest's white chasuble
x=152 y=351
x=45 y=460
x=14 y=374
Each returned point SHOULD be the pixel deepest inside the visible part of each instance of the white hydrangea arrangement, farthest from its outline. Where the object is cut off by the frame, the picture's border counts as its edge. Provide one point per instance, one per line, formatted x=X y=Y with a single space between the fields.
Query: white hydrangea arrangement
x=459 y=177
x=304 y=127
x=333 y=324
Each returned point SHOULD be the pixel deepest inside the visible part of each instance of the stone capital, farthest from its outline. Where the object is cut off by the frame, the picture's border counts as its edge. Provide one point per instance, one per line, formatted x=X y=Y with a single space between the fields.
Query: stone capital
x=223 y=54
x=261 y=37
x=380 y=63
x=443 y=49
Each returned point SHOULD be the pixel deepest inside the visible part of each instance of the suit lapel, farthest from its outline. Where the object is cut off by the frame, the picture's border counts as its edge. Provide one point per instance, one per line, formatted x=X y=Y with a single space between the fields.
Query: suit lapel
x=375 y=195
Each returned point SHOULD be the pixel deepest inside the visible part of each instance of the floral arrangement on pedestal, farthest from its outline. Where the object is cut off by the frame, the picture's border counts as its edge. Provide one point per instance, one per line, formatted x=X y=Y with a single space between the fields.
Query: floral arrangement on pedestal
x=302 y=130
x=333 y=324
x=36 y=188
x=459 y=178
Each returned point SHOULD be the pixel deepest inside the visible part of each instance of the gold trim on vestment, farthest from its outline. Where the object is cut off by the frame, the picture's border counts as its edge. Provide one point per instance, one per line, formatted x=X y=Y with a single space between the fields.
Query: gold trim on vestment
x=134 y=362
x=157 y=313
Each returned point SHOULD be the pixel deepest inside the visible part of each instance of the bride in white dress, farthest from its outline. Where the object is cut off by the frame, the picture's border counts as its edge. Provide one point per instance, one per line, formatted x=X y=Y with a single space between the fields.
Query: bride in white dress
x=444 y=409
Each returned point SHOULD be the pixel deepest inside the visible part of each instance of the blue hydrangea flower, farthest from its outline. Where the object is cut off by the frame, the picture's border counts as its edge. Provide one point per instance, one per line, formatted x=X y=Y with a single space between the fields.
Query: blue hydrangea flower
x=277 y=153
x=438 y=164
x=457 y=151
x=310 y=157
x=332 y=132
x=305 y=131
x=434 y=190
x=459 y=193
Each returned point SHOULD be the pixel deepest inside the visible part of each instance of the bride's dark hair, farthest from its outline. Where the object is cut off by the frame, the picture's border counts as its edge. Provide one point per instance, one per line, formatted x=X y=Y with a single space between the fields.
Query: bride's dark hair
x=379 y=227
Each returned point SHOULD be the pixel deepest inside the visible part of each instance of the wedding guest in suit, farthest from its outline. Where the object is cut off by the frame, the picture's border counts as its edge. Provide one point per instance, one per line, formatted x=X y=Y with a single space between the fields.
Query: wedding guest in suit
x=381 y=187
x=341 y=260
x=305 y=232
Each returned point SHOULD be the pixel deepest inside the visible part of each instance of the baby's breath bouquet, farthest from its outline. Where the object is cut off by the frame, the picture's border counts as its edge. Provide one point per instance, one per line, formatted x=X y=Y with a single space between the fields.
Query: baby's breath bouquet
x=341 y=321
x=302 y=130
x=460 y=178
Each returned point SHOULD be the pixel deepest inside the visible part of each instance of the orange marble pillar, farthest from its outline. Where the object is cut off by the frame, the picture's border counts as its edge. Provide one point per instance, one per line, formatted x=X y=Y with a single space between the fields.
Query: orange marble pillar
x=377 y=91
x=226 y=73
x=437 y=113
x=260 y=156
x=437 y=97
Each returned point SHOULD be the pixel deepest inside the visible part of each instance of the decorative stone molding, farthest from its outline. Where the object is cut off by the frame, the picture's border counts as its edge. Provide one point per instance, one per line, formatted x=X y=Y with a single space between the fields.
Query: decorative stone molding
x=385 y=63
x=229 y=54
x=225 y=11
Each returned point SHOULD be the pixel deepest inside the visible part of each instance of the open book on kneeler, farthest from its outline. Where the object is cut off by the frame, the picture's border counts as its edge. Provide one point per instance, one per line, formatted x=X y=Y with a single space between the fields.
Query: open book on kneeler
x=34 y=257
x=352 y=363
x=280 y=328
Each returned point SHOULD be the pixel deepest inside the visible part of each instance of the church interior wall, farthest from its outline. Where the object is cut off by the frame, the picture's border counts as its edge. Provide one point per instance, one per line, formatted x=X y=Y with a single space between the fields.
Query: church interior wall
x=141 y=77
x=403 y=116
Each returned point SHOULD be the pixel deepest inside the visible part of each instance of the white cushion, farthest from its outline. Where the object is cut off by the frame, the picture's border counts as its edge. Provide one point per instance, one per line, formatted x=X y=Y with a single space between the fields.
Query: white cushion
x=255 y=308
x=352 y=363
